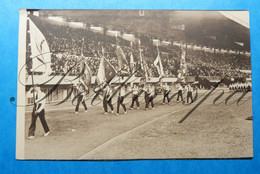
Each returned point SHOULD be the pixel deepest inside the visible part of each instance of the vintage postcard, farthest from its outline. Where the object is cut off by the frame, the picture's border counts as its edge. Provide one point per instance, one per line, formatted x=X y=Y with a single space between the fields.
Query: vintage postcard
x=134 y=84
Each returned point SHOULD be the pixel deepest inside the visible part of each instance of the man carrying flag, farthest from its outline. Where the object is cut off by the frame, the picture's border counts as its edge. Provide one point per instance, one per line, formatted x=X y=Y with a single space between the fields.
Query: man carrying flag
x=38 y=111
x=81 y=97
x=40 y=59
x=135 y=96
x=166 y=92
x=120 y=99
x=107 y=101
x=106 y=73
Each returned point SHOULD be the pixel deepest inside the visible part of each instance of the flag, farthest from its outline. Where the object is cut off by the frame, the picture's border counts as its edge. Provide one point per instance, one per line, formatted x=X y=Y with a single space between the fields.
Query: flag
x=40 y=51
x=158 y=64
x=122 y=62
x=110 y=71
x=106 y=71
x=101 y=72
x=183 y=66
x=85 y=78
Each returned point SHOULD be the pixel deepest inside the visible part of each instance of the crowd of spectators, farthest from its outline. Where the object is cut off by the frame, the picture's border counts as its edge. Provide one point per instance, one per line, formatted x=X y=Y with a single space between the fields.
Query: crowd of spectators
x=68 y=45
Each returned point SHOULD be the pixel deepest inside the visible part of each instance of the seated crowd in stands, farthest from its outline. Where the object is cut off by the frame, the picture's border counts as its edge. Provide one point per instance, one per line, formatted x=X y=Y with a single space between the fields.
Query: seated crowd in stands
x=68 y=45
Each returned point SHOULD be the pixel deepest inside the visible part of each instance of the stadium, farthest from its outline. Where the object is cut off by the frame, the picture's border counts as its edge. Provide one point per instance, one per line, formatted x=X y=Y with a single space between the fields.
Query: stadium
x=208 y=51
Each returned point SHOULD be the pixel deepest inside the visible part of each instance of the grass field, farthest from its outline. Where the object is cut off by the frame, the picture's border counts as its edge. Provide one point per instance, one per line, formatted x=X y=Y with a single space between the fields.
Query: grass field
x=210 y=131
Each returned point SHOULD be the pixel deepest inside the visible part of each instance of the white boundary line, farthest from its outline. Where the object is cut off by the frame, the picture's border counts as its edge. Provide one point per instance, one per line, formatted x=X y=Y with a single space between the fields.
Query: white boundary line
x=123 y=135
x=58 y=109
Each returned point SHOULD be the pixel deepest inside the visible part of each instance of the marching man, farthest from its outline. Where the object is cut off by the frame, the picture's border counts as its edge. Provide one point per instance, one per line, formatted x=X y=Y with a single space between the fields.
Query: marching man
x=189 y=93
x=120 y=99
x=107 y=100
x=180 y=89
x=146 y=95
x=151 y=93
x=135 y=97
x=166 y=92
x=81 y=96
x=38 y=110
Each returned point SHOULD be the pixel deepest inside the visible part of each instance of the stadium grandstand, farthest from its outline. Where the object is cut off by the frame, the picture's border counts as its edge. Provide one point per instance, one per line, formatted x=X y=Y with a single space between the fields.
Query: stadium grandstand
x=215 y=45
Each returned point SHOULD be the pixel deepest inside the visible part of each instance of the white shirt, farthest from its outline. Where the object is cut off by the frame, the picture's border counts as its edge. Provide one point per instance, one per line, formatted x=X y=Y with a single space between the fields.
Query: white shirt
x=109 y=91
x=135 y=91
x=151 y=91
x=39 y=101
x=122 y=91
x=189 y=88
x=167 y=88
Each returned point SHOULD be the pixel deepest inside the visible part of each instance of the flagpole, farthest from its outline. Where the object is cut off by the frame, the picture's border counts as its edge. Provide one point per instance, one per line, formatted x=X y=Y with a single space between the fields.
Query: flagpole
x=33 y=93
x=34 y=103
x=117 y=55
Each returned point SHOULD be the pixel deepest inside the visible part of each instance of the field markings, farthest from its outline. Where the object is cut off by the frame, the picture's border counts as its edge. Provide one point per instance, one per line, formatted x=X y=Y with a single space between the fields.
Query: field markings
x=125 y=134
x=57 y=109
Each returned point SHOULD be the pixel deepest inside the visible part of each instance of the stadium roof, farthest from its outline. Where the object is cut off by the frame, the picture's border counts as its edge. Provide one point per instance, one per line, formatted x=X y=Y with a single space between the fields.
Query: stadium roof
x=241 y=17
x=219 y=29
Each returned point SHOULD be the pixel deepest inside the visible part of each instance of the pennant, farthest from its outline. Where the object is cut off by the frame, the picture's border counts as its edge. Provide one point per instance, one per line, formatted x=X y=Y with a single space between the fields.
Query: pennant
x=158 y=64
x=122 y=61
x=132 y=63
x=183 y=66
x=85 y=79
x=101 y=72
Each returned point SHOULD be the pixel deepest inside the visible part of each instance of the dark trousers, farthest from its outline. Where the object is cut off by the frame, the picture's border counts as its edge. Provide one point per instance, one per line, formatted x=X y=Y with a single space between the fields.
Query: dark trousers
x=135 y=99
x=33 y=123
x=120 y=101
x=150 y=100
x=146 y=98
x=107 y=102
x=189 y=95
x=166 y=95
x=80 y=100
x=180 y=95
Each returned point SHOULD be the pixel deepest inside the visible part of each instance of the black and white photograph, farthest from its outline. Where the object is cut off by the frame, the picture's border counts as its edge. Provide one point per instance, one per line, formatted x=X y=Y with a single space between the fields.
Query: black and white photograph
x=133 y=85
